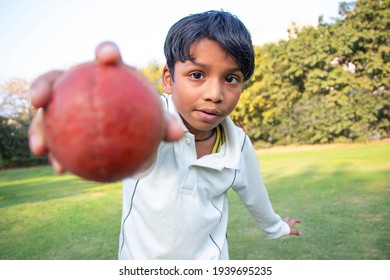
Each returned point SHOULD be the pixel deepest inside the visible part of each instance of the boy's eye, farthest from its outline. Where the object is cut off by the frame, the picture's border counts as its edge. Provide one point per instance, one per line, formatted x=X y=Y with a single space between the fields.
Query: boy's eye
x=196 y=75
x=232 y=80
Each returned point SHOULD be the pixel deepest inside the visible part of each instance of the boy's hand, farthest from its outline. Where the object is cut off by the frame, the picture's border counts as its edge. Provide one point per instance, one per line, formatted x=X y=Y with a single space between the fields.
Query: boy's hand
x=41 y=91
x=291 y=222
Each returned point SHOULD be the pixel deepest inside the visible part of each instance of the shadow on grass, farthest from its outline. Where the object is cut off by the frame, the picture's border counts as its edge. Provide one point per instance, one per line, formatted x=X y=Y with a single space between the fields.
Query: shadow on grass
x=31 y=185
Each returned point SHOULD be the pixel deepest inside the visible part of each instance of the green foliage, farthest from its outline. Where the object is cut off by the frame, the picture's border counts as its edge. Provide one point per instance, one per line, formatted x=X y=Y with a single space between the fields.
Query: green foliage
x=15 y=116
x=14 y=149
x=324 y=84
x=153 y=72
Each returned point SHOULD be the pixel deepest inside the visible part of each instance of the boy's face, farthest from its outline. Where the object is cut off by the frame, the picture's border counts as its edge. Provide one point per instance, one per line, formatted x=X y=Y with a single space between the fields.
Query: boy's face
x=207 y=89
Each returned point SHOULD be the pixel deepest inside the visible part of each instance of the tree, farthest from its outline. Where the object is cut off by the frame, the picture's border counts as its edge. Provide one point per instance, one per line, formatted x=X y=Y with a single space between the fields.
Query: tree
x=15 y=116
x=14 y=98
x=325 y=84
x=153 y=72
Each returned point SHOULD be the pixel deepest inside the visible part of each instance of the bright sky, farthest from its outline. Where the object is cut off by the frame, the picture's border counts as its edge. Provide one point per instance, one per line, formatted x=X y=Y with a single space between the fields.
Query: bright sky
x=40 y=35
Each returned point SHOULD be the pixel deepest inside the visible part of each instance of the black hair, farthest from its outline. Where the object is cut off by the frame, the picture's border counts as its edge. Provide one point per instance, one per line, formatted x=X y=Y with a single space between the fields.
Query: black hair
x=219 y=26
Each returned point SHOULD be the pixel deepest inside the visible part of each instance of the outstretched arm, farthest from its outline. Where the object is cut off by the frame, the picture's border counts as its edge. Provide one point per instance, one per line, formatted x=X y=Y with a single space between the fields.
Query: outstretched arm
x=41 y=91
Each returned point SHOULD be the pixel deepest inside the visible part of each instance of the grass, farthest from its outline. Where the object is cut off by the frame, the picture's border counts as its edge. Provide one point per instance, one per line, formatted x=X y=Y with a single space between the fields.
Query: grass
x=340 y=192
x=44 y=216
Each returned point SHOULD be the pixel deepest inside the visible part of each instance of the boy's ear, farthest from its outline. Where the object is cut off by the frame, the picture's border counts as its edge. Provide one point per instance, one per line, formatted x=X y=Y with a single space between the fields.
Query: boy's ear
x=167 y=80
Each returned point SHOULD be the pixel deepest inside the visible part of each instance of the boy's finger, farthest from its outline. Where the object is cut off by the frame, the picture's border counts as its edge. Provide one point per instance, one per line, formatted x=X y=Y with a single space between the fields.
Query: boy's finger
x=295 y=221
x=41 y=88
x=174 y=131
x=108 y=53
x=58 y=168
x=294 y=231
x=291 y=221
x=36 y=139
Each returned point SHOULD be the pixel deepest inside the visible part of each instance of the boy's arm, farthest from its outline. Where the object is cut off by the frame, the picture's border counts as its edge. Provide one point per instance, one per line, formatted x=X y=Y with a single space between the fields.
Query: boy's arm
x=254 y=196
x=41 y=91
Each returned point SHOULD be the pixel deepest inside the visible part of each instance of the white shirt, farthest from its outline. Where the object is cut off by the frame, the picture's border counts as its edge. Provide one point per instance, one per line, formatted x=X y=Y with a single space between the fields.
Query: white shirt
x=179 y=208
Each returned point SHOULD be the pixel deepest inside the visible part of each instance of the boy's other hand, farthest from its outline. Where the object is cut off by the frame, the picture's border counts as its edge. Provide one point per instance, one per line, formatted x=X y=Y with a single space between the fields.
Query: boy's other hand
x=41 y=91
x=291 y=222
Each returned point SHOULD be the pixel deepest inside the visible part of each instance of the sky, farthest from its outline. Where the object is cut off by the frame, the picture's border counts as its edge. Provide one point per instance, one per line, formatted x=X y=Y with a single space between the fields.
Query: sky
x=40 y=35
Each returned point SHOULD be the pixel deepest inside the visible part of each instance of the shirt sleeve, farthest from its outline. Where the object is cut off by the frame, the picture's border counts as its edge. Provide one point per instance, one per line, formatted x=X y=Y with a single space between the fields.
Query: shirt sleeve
x=253 y=194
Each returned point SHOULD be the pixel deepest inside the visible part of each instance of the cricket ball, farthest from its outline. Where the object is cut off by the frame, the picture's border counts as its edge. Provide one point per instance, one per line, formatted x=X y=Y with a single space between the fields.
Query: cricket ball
x=103 y=122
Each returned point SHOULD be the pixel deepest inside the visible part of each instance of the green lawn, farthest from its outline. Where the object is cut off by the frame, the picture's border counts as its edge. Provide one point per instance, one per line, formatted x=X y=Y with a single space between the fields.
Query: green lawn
x=44 y=216
x=341 y=193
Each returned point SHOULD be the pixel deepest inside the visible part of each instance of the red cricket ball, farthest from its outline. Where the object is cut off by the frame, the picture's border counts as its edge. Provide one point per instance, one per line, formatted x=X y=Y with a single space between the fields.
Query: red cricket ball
x=103 y=121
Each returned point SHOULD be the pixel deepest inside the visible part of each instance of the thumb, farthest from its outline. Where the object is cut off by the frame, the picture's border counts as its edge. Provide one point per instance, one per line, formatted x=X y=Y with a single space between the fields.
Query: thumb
x=173 y=129
x=108 y=53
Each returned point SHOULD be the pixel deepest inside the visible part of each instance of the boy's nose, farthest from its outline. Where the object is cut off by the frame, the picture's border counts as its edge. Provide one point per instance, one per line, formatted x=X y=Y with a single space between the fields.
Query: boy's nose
x=214 y=93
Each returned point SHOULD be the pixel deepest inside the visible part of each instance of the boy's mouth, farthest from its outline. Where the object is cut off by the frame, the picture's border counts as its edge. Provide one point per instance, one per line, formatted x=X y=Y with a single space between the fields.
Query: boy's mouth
x=210 y=112
x=208 y=115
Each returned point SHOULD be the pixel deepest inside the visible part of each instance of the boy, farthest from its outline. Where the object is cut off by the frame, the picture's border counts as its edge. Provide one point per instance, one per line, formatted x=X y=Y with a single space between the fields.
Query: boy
x=176 y=208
